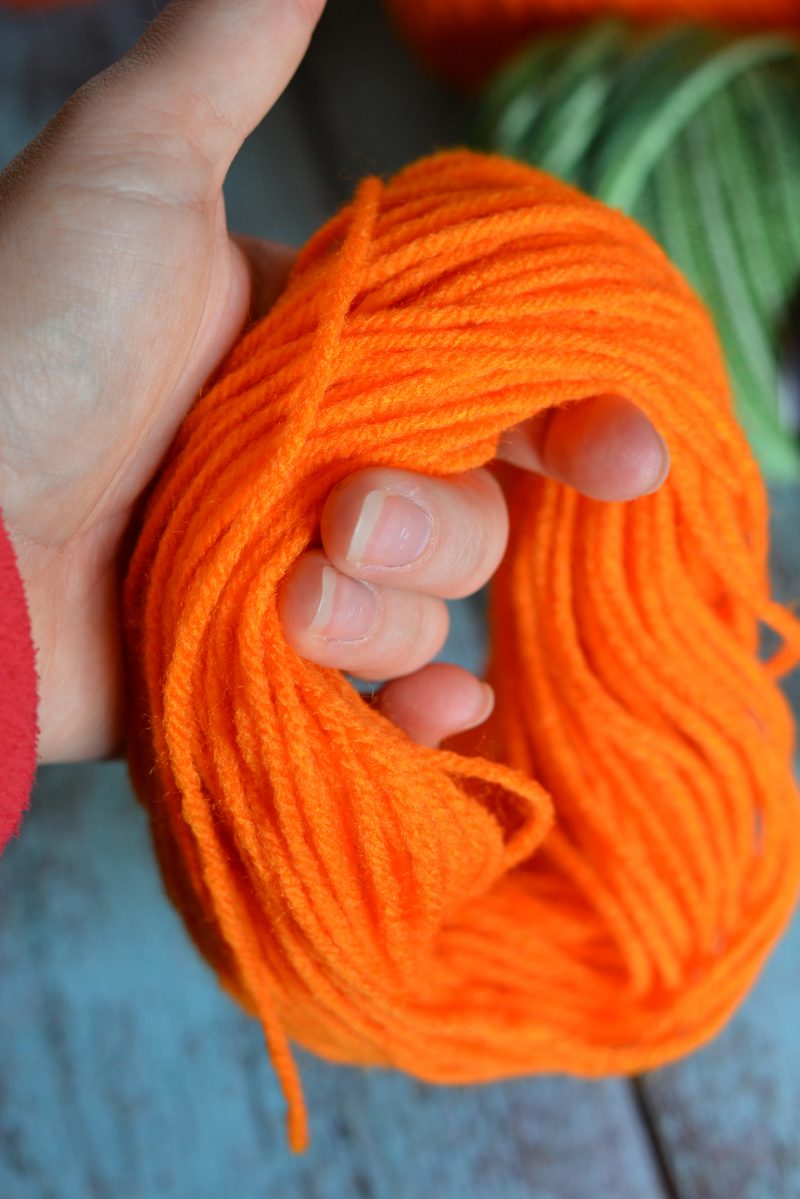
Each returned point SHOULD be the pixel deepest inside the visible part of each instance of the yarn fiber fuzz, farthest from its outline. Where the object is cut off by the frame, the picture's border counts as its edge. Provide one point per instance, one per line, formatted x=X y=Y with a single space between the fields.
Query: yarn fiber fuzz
x=597 y=888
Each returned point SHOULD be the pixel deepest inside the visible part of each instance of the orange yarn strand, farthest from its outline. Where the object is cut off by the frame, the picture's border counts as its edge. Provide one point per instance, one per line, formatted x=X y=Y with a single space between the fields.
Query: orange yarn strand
x=596 y=890
x=465 y=40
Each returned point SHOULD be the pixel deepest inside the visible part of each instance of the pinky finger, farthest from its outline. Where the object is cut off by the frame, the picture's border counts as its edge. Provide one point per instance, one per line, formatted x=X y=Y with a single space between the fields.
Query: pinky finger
x=436 y=702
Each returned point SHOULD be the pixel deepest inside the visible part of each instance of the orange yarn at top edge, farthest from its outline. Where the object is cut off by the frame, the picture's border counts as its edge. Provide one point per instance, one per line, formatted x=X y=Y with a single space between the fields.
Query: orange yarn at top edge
x=597 y=891
x=465 y=40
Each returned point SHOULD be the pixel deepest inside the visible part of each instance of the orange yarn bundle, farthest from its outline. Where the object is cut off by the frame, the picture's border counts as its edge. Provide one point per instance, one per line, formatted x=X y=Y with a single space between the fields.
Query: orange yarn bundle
x=465 y=40
x=597 y=892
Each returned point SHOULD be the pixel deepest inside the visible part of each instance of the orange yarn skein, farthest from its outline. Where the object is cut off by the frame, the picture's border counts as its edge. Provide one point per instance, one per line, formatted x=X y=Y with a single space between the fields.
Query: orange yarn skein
x=464 y=40
x=596 y=892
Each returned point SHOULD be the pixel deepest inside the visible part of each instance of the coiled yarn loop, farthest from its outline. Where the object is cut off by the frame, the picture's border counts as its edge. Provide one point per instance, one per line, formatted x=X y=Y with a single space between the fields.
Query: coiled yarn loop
x=597 y=890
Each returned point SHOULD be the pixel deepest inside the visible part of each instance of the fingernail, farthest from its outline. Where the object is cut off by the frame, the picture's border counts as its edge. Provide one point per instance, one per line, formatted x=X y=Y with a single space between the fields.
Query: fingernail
x=484 y=710
x=347 y=609
x=664 y=468
x=391 y=531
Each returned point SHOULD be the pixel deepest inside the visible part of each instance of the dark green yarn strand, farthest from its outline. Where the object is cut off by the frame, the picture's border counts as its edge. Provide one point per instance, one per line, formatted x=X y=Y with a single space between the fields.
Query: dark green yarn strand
x=697 y=136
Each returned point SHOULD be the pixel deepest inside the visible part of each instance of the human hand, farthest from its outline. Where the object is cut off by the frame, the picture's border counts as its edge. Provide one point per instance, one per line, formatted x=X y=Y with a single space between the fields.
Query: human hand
x=122 y=291
x=395 y=545
x=126 y=292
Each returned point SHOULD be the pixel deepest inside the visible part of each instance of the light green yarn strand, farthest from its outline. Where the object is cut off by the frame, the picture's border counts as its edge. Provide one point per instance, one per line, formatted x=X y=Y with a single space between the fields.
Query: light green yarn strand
x=697 y=136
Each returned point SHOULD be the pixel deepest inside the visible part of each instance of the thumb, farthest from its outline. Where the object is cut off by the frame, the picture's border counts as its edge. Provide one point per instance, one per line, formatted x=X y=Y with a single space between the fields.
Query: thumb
x=200 y=79
x=217 y=66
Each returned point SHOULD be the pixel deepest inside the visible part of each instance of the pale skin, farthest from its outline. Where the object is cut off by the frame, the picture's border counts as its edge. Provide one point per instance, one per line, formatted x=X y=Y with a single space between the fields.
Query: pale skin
x=123 y=289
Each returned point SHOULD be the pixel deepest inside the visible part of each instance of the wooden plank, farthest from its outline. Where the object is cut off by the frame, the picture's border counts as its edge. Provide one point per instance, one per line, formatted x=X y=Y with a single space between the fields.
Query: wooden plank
x=728 y=1118
x=127 y=1074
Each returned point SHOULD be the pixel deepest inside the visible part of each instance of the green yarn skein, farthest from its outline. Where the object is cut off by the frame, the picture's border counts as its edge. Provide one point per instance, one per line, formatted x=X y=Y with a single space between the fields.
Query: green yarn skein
x=697 y=136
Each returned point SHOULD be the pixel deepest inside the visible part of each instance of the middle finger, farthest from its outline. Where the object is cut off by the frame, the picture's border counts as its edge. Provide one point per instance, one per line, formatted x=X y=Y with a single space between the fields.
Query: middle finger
x=440 y=537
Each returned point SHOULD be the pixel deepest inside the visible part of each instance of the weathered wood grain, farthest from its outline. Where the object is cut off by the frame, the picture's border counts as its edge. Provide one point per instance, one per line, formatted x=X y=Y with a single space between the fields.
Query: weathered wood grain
x=127 y=1074
x=728 y=1118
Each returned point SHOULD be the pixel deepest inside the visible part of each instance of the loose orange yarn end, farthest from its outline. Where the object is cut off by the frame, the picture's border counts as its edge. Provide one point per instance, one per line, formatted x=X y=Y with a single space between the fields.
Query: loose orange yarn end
x=465 y=40
x=597 y=889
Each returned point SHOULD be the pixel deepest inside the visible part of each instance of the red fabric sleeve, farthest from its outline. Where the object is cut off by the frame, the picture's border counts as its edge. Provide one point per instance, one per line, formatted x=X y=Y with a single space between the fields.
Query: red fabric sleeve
x=18 y=700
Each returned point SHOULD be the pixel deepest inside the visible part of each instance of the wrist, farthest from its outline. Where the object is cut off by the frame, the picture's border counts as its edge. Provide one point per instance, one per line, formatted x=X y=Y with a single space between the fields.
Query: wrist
x=73 y=605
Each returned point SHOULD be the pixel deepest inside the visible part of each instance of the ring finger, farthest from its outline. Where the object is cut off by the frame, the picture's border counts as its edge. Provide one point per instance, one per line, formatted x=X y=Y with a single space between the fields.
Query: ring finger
x=368 y=630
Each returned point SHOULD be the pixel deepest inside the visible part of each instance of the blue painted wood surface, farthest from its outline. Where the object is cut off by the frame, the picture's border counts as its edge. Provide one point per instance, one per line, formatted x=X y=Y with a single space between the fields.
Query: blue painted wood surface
x=128 y=1074
x=124 y=1071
